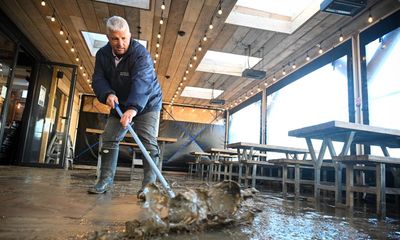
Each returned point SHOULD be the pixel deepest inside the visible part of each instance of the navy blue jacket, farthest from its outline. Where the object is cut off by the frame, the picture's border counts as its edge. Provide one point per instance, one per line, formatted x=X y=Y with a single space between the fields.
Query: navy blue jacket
x=133 y=81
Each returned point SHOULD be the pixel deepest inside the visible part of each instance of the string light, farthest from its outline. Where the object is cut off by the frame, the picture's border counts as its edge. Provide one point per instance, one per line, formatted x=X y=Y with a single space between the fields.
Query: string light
x=61 y=31
x=341 y=36
x=53 y=17
x=320 y=51
x=307 y=57
x=199 y=47
x=220 y=7
x=370 y=18
x=43 y=3
x=163 y=5
x=161 y=21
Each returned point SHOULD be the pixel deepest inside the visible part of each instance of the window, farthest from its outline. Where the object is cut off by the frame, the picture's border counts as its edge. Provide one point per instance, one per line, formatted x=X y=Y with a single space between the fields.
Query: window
x=319 y=96
x=244 y=125
x=383 y=83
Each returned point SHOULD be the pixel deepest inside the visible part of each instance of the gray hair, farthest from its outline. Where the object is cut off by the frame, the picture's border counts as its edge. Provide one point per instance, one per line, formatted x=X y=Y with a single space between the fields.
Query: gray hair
x=116 y=23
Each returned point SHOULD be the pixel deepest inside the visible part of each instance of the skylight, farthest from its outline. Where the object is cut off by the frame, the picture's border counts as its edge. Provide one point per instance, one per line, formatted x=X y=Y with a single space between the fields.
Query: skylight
x=94 y=41
x=226 y=63
x=203 y=93
x=145 y=4
x=279 y=16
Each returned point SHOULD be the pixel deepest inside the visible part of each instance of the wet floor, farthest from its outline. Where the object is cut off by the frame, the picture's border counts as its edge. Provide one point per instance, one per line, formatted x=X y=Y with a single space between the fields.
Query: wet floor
x=38 y=203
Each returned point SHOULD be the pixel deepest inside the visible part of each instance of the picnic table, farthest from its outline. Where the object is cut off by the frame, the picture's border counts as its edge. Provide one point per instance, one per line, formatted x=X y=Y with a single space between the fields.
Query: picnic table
x=160 y=140
x=349 y=134
x=252 y=155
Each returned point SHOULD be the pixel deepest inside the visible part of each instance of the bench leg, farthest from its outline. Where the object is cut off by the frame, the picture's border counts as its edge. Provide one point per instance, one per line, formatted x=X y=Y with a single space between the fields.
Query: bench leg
x=133 y=164
x=380 y=190
x=349 y=185
x=338 y=183
x=284 y=178
x=297 y=180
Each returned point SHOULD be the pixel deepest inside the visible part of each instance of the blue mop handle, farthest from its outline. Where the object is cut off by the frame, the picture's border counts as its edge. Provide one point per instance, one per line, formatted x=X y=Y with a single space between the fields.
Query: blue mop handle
x=153 y=166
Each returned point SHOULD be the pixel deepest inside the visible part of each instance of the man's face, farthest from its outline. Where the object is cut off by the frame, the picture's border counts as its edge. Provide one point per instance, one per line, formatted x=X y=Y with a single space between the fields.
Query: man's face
x=119 y=41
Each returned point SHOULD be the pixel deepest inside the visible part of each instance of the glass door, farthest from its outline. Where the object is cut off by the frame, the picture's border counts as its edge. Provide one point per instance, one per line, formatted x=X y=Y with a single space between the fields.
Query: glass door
x=53 y=116
x=8 y=55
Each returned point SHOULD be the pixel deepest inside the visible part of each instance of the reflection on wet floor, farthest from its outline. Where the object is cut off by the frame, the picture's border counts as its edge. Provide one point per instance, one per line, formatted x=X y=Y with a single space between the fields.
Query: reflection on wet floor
x=53 y=204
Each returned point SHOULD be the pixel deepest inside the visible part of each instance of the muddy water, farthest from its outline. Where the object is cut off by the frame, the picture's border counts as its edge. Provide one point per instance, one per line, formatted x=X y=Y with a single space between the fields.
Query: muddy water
x=289 y=218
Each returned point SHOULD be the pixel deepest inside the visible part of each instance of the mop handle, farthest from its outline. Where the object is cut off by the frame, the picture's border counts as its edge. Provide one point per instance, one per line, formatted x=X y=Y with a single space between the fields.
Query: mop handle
x=153 y=166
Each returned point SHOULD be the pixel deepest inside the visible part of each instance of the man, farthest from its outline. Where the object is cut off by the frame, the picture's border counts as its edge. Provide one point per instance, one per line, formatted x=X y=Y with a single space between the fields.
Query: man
x=124 y=74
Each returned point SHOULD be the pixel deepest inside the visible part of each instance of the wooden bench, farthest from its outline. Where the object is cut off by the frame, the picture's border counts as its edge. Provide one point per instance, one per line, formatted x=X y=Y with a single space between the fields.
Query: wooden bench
x=298 y=165
x=197 y=167
x=380 y=189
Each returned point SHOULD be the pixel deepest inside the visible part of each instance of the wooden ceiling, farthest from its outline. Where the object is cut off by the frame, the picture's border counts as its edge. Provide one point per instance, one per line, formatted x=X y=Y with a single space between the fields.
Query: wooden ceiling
x=192 y=17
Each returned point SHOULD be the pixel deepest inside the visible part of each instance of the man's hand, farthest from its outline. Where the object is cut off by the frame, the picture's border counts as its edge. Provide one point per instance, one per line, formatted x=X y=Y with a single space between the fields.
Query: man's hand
x=111 y=99
x=127 y=117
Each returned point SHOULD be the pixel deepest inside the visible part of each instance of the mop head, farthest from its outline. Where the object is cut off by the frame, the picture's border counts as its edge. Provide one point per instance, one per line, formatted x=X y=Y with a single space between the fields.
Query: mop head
x=191 y=210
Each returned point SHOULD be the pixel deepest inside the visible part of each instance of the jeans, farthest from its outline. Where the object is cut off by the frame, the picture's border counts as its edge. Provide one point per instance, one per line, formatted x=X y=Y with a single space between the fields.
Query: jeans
x=146 y=127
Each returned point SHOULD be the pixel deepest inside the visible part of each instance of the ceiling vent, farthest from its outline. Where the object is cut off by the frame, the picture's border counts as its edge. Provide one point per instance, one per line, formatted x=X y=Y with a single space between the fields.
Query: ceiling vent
x=343 y=7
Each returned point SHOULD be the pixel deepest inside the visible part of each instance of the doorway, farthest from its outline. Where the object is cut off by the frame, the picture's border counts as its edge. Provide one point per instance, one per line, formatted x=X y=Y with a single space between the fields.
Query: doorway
x=15 y=76
x=52 y=117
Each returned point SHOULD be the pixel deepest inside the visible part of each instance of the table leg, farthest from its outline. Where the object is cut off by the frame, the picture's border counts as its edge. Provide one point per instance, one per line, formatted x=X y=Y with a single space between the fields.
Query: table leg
x=99 y=157
x=253 y=176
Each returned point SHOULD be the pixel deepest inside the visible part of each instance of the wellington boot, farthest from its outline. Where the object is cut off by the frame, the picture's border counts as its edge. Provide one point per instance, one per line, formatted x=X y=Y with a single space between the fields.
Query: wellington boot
x=109 y=159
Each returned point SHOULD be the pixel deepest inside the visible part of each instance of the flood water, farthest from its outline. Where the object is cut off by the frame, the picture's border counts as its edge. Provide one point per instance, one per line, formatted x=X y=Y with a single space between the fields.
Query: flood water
x=290 y=218
x=38 y=203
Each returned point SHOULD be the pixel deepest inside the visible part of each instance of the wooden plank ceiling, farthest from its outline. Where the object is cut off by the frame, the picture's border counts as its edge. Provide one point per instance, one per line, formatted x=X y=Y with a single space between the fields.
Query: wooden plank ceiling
x=175 y=51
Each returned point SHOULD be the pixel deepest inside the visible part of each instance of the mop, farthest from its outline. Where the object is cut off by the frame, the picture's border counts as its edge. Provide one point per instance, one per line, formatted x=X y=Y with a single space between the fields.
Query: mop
x=189 y=210
x=153 y=166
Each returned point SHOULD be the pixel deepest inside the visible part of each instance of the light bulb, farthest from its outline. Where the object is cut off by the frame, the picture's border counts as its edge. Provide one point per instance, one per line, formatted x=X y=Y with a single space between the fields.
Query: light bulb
x=370 y=19
x=43 y=3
